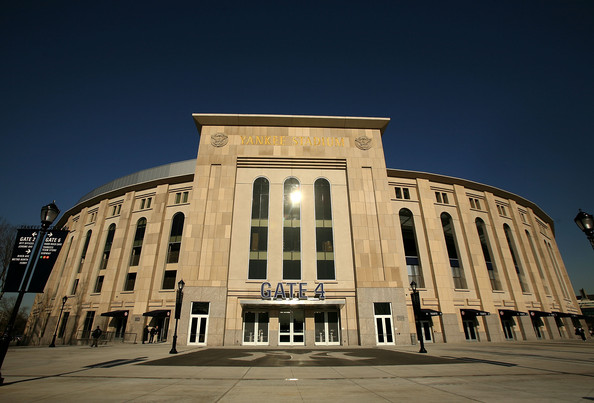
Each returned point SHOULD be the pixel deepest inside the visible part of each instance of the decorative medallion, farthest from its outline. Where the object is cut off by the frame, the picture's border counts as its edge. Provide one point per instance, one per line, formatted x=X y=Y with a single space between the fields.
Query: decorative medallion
x=219 y=139
x=363 y=143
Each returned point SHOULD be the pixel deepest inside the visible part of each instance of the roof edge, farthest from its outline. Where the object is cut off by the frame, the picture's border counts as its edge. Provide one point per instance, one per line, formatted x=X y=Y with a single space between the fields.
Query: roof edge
x=473 y=185
x=343 y=122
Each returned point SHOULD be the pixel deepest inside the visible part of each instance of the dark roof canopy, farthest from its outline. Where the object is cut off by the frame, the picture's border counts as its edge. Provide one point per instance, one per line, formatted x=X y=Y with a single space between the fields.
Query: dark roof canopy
x=158 y=313
x=538 y=314
x=473 y=312
x=430 y=312
x=511 y=312
x=115 y=314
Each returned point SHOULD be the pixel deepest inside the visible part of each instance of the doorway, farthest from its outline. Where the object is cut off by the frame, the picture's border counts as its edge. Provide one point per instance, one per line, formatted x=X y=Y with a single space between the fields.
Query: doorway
x=255 y=328
x=291 y=327
x=427 y=330
x=198 y=323
x=470 y=330
x=327 y=328
x=508 y=328
x=383 y=323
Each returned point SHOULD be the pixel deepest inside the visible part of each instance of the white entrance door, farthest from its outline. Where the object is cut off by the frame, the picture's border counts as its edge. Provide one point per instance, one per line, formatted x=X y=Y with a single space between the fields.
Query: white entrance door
x=383 y=323
x=327 y=328
x=291 y=327
x=255 y=328
x=198 y=323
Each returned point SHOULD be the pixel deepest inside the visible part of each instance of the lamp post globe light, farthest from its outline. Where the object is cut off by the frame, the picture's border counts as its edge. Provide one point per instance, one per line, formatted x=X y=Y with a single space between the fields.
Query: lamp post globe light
x=64 y=299
x=585 y=222
x=49 y=213
x=416 y=303
x=178 y=304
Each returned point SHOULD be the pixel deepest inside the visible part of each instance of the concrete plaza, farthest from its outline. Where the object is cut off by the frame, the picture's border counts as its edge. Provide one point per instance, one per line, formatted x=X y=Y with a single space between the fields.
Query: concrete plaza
x=486 y=372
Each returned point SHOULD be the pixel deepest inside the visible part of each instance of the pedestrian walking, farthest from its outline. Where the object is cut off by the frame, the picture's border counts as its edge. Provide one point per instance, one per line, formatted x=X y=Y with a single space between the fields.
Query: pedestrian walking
x=95 y=335
x=152 y=335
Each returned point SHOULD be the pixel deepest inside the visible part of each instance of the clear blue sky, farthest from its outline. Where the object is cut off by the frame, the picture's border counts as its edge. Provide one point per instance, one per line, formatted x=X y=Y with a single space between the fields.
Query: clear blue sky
x=499 y=92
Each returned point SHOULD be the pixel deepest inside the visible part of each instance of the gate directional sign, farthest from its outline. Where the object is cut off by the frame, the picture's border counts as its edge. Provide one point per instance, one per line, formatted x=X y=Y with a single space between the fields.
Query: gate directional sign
x=22 y=256
x=21 y=253
x=47 y=257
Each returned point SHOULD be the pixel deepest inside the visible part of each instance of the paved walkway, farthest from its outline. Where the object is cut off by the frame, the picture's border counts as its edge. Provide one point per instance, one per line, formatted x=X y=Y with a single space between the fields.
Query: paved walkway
x=538 y=372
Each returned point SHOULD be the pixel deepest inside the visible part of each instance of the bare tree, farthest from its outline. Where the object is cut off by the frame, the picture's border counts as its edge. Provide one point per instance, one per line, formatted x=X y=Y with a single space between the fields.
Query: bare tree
x=6 y=307
x=7 y=237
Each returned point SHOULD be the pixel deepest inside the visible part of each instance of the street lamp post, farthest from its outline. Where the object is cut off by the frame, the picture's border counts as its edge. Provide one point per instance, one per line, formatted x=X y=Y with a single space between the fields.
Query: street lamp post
x=585 y=222
x=178 y=304
x=64 y=299
x=416 y=302
x=48 y=215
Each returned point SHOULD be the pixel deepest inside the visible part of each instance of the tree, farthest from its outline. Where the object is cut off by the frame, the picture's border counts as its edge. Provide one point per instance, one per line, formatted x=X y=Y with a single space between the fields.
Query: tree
x=7 y=237
x=6 y=306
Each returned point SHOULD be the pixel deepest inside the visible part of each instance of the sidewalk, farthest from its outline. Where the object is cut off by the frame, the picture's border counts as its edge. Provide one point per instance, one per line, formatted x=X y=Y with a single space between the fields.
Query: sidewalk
x=543 y=371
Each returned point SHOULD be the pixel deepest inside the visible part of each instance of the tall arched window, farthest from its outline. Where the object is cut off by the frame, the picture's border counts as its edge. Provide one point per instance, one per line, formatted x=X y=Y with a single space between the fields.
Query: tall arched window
x=107 y=248
x=452 y=248
x=324 y=238
x=486 y=247
x=83 y=255
x=409 y=239
x=557 y=272
x=175 y=237
x=538 y=265
x=259 y=231
x=137 y=244
x=513 y=251
x=292 y=230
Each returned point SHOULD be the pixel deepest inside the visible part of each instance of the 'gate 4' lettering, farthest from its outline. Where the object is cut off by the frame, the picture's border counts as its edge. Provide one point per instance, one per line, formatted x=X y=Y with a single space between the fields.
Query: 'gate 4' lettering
x=288 y=291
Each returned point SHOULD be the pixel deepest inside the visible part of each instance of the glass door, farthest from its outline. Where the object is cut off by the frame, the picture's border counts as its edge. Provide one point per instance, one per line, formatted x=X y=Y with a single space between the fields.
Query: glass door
x=538 y=325
x=198 y=323
x=383 y=323
x=291 y=327
x=470 y=330
x=255 y=328
x=508 y=329
x=427 y=330
x=327 y=329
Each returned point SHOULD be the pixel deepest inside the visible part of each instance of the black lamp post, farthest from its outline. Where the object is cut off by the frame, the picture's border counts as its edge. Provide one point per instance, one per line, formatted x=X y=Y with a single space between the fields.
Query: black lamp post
x=416 y=302
x=585 y=222
x=48 y=215
x=178 y=304
x=64 y=299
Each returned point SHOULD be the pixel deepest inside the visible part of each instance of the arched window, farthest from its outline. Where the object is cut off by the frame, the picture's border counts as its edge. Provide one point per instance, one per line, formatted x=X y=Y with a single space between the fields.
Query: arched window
x=538 y=265
x=177 y=228
x=292 y=230
x=557 y=272
x=324 y=237
x=259 y=231
x=452 y=248
x=512 y=249
x=83 y=255
x=409 y=239
x=486 y=247
x=107 y=248
x=137 y=244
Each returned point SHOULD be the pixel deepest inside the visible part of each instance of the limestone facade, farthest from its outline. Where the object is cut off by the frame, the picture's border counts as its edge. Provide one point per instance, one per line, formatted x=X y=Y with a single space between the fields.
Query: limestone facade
x=254 y=278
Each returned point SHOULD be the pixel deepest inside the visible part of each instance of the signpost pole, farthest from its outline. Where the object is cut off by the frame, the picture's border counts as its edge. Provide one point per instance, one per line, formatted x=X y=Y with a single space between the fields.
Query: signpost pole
x=48 y=215
x=7 y=336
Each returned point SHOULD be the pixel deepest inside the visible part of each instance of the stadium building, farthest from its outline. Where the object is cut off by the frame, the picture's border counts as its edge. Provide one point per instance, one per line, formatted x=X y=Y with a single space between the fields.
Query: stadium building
x=290 y=230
